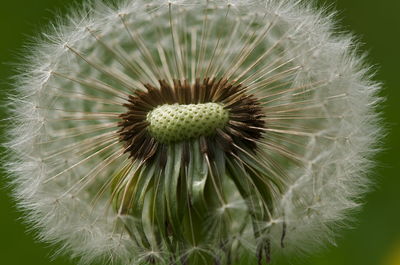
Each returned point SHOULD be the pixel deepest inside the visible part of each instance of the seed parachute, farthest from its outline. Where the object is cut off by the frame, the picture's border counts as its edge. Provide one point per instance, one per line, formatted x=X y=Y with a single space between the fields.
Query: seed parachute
x=191 y=132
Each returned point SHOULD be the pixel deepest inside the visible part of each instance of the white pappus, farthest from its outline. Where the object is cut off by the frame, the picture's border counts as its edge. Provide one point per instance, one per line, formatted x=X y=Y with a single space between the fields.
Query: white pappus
x=191 y=132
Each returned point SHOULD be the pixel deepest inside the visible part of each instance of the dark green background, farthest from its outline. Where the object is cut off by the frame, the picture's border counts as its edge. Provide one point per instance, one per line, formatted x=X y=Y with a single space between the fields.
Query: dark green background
x=375 y=236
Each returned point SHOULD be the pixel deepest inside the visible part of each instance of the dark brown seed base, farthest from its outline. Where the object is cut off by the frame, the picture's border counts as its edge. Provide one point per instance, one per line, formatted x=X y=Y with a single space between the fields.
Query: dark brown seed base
x=244 y=127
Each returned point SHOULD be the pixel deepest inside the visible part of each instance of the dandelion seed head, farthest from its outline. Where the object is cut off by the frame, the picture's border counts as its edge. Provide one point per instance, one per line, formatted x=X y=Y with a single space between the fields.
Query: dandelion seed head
x=196 y=132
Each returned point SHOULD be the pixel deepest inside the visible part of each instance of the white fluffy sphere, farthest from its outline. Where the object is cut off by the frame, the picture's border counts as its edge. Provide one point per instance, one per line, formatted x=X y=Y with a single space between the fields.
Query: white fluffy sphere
x=280 y=165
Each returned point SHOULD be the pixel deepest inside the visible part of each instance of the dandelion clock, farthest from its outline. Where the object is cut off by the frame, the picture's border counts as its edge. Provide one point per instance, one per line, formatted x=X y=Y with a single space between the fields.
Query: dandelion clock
x=191 y=132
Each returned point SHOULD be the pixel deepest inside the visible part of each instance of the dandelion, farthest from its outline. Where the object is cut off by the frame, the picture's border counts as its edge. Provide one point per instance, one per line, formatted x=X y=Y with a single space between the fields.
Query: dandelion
x=191 y=132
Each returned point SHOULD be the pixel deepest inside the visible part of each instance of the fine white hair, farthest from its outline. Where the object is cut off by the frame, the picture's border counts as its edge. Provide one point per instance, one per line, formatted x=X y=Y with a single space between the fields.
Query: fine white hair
x=77 y=73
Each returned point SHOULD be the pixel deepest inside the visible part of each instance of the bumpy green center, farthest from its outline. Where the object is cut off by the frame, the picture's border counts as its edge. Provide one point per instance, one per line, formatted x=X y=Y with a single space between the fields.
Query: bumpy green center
x=172 y=123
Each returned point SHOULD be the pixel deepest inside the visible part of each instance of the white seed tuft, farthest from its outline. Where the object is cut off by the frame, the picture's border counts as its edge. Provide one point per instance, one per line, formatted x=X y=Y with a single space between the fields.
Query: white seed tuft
x=74 y=177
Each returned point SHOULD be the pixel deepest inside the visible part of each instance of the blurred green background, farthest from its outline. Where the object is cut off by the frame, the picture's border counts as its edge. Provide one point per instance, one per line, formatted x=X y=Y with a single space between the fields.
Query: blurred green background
x=375 y=237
